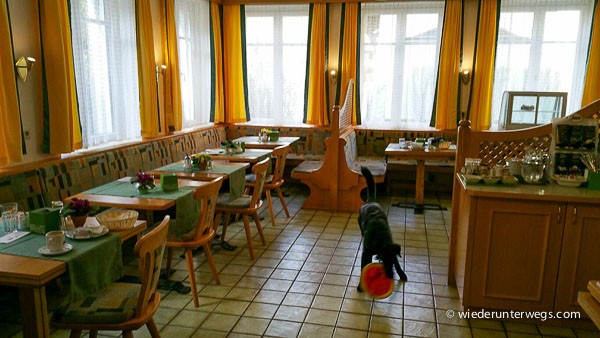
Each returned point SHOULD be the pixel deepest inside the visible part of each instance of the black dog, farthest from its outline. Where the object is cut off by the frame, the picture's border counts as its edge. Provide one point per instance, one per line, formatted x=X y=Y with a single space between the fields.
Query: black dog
x=377 y=237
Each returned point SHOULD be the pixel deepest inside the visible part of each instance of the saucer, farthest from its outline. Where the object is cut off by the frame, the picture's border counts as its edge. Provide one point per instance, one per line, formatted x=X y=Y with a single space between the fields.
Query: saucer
x=44 y=250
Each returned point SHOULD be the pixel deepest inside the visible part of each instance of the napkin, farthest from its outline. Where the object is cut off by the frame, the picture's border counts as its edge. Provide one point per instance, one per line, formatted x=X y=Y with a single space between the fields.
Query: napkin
x=13 y=236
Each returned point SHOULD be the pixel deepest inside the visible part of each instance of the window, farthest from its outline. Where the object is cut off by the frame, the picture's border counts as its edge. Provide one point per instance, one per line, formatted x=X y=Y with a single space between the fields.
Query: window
x=193 y=42
x=399 y=52
x=106 y=70
x=276 y=42
x=542 y=47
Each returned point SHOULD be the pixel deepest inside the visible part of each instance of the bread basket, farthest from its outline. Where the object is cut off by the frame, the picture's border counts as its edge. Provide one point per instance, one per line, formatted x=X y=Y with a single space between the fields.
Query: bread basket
x=117 y=219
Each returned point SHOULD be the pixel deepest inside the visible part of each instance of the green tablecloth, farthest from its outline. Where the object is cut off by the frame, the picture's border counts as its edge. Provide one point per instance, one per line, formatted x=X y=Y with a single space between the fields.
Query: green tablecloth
x=186 y=208
x=92 y=264
x=237 y=175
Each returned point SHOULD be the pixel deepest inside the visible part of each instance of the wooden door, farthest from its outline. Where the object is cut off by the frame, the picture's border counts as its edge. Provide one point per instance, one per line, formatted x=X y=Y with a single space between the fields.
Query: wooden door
x=580 y=258
x=515 y=256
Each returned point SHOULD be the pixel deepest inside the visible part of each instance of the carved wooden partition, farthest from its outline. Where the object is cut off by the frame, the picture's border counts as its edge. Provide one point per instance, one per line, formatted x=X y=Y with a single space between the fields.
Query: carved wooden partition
x=333 y=186
x=495 y=146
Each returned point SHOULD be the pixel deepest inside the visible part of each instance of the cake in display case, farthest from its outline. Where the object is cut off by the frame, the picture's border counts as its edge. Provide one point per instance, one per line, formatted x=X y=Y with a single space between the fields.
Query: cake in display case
x=528 y=109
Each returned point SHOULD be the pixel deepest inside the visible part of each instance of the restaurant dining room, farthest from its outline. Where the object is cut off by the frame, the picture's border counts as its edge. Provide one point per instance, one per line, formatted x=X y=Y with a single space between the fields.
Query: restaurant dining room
x=326 y=168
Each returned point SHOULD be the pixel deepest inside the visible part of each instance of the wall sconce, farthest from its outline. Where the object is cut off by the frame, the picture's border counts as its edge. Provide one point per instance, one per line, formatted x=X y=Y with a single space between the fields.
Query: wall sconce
x=465 y=76
x=24 y=65
x=333 y=76
x=162 y=69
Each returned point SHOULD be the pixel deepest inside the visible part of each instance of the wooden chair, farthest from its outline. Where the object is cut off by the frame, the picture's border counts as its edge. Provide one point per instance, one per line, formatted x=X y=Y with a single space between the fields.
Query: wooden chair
x=201 y=236
x=122 y=306
x=245 y=205
x=274 y=181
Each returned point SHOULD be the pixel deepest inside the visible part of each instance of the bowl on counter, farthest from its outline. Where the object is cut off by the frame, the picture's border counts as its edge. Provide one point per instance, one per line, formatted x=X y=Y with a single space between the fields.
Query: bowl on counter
x=569 y=181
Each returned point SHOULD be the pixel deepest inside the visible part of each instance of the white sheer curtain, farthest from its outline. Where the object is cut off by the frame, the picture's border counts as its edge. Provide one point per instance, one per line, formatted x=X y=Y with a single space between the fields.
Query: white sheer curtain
x=106 y=71
x=399 y=52
x=193 y=31
x=276 y=42
x=542 y=46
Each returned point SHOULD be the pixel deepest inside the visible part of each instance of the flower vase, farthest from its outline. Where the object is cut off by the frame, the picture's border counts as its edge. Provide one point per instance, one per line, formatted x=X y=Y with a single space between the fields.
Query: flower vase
x=142 y=189
x=202 y=166
x=79 y=221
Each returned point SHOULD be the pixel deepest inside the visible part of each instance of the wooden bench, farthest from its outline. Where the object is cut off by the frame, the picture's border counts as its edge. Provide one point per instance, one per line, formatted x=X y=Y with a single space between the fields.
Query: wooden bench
x=335 y=182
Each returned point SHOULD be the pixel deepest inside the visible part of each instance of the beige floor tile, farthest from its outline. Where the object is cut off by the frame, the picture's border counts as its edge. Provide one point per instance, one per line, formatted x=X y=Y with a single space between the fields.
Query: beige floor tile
x=349 y=333
x=388 y=310
x=419 y=329
x=202 y=333
x=177 y=331
x=291 y=313
x=277 y=284
x=443 y=318
x=298 y=299
x=285 y=274
x=327 y=303
x=304 y=287
x=353 y=321
x=331 y=290
x=356 y=306
x=219 y=322
x=386 y=325
x=261 y=310
x=487 y=333
x=523 y=335
x=164 y=315
x=312 y=277
x=250 y=325
x=313 y=330
x=231 y=307
x=521 y=327
x=419 y=313
x=451 y=331
x=321 y=317
x=269 y=296
x=240 y=293
x=556 y=331
x=188 y=318
x=285 y=329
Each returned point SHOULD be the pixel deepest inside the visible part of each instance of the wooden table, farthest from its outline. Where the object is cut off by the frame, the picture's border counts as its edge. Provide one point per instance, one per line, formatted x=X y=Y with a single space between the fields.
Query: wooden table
x=30 y=275
x=250 y=155
x=138 y=203
x=253 y=143
x=393 y=150
x=204 y=175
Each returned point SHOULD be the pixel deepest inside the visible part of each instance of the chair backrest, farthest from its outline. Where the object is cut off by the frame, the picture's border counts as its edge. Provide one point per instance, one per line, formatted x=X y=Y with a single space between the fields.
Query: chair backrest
x=280 y=154
x=260 y=171
x=206 y=196
x=150 y=249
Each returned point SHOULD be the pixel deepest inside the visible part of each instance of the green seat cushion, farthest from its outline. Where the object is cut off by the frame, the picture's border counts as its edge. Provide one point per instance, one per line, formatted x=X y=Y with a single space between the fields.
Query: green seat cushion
x=115 y=304
x=240 y=202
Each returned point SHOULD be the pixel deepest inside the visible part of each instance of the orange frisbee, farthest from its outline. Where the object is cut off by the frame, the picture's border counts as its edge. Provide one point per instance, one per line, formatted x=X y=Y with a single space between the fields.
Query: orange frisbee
x=374 y=281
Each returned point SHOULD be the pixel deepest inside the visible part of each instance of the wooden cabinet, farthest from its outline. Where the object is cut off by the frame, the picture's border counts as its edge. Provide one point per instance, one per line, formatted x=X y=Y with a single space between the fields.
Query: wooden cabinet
x=579 y=261
x=516 y=253
x=525 y=254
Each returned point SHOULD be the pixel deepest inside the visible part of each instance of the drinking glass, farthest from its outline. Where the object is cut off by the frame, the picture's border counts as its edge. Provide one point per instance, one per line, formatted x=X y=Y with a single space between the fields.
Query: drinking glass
x=9 y=215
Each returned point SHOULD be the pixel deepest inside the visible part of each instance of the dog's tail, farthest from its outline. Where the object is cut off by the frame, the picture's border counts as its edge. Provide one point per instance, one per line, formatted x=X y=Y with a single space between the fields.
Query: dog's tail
x=371 y=188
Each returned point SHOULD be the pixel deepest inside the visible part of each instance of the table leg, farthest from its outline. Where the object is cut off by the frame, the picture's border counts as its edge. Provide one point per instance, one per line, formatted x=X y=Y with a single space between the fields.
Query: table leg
x=420 y=187
x=34 y=312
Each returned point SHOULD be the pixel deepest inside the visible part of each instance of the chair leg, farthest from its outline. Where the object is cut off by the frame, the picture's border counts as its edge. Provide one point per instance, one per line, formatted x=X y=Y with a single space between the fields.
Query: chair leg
x=189 y=259
x=169 y=259
x=93 y=333
x=248 y=235
x=151 y=325
x=225 y=224
x=211 y=262
x=127 y=334
x=270 y=200
x=259 y=228
x=75 y=334
x=280 y=194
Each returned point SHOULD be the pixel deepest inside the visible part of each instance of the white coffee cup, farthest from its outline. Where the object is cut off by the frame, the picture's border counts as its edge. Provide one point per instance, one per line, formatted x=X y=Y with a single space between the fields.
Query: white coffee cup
x=55 y=240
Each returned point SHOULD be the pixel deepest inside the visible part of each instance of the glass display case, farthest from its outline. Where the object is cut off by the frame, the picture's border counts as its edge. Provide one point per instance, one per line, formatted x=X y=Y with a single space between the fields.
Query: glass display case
x=528 y=109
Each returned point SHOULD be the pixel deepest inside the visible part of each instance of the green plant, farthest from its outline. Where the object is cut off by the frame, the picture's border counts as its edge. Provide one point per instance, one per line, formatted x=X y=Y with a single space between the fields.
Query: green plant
x=200 y=158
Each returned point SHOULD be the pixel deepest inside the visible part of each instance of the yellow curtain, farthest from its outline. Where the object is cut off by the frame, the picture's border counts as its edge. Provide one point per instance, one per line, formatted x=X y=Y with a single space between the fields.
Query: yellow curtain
x=348 y=57
x=10 y=119
x=173 y=114
x=591 y=87
x=480 y=104
x=446 y=106
x=218 y=96
x=235 y=73
x=146 y=69
x=316 y=110
x=64 y=129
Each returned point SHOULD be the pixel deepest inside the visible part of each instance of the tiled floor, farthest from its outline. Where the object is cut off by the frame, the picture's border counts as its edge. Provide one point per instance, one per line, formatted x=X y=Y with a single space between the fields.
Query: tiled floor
x=303 y=283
